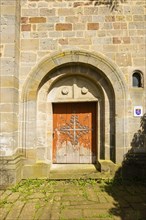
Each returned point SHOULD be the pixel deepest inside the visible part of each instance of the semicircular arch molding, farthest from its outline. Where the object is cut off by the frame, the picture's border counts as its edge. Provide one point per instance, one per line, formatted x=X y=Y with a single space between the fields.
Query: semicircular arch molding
x=96 y=60
x=109 y=75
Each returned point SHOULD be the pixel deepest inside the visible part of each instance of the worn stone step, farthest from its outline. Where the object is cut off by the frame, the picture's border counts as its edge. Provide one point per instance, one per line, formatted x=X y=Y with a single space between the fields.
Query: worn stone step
x=74 y=171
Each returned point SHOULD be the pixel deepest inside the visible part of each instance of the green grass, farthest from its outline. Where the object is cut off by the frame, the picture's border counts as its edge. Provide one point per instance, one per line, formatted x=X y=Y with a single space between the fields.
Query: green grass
x=3 y=202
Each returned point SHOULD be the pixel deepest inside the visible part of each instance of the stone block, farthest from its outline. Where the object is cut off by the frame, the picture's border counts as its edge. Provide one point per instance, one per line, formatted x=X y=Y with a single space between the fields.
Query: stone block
x=41 y=150
x=66 y=11
x=109 y=48
x=119 y=153
x=42 y=4
x=9 y=95
x=120 y=25
x=79 y=41
x=29 y=44
x=110 y=18
x=91 y=11
x=120 y=18
x=9 y=82
x=116 y=40
x=99 y=18
x=47 y=12
x=106 y=40
x=72 y=19
x=139 y=61
x=87 y=19
x=29 y=12
x=121 y=40
x=45 y=27
x=57 y=34
x=87 y=34
x=28 y=57
x=48 y=44
x=9 y=50
x=8 y=2
x=9 y=143
x=37 y=170
x=63 y=41
x=7 y=107
x=10 y=170
x=136 y=25
x=36 y=34
x=107 y=166
x=7 y=33
x=37 y=20
x=55 y=19
x=30 y=154
x=123 y=59
x=26 y=34
x=8 y=10
x=9 y=122
x=63 y=27
x=107 y=26
x=24 y=20
x=138 y=17
x=138 y=40
x=138 y=9
x=26 y=27
x=67 y=34
x=93 y=26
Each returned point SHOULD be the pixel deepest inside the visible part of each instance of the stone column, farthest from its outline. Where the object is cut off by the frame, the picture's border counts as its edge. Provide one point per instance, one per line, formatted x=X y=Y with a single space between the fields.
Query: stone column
x=9 y=93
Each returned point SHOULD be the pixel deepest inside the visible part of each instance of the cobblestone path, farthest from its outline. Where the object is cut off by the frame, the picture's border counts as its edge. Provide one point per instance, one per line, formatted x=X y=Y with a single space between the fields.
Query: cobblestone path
x=73 y=200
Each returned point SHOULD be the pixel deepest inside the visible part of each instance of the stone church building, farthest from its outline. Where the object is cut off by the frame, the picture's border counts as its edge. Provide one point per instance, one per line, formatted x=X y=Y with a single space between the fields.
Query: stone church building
x=73 y=85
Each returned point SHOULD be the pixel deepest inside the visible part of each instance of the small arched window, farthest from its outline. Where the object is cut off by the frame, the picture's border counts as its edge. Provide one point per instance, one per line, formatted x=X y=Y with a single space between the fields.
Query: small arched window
x=137 y=79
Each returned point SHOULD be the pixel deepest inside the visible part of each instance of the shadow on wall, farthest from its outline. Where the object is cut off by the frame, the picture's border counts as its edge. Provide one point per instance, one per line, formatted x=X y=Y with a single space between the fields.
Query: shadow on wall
x=112 y=4
x=128 y=187
x=134 y=164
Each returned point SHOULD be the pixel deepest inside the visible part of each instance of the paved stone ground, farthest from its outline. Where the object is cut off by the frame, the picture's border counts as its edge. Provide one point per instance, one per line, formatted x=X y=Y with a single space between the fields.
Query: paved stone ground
x=73 y=200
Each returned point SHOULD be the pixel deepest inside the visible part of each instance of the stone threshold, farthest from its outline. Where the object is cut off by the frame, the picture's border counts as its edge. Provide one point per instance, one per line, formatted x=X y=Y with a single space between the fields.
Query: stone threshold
x=74 y=171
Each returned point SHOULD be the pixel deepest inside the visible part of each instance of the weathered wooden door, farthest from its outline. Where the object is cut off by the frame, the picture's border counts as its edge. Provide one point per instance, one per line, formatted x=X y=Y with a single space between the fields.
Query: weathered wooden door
x=74 y=132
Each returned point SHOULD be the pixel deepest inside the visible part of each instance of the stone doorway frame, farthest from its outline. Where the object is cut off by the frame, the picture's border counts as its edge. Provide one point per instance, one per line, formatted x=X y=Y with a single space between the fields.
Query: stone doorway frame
x=96 y=61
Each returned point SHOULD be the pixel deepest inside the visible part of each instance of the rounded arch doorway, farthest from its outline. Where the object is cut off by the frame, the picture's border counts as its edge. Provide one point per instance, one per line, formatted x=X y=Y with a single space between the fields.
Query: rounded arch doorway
x=75 y=77
x=77 y=129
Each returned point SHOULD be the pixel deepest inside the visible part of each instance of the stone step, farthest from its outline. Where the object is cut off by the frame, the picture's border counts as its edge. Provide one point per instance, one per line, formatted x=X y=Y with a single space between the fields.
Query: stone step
x=74 y=171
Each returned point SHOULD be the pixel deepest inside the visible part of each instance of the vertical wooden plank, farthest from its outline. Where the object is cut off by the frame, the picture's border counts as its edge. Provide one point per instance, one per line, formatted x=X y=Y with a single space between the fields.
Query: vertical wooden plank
x=54 y=135
x=72 y=148
x=61 y=145
x=94 y=133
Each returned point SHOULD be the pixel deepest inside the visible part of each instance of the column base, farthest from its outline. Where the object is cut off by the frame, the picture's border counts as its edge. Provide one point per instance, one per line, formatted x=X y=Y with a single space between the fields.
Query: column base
x=10 y=170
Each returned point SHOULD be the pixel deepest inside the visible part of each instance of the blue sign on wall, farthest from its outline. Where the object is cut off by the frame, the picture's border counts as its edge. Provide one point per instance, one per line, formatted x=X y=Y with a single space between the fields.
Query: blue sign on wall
x=138 y=111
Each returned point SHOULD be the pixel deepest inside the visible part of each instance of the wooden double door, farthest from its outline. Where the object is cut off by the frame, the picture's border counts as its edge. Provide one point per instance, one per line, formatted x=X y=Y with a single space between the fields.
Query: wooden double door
x=74 y=132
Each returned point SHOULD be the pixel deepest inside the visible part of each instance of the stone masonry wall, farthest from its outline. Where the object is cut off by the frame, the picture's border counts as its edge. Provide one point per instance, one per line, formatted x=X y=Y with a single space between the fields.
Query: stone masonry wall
x=9 y=77
x=49 y=26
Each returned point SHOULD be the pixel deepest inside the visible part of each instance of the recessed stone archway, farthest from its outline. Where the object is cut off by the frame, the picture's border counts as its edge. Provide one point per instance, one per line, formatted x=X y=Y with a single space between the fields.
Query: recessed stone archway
x=103 y=73
x=79 y=89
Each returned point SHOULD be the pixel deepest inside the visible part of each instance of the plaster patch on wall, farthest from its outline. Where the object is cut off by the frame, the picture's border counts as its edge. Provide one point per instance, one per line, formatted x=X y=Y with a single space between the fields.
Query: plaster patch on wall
x=6 y=146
